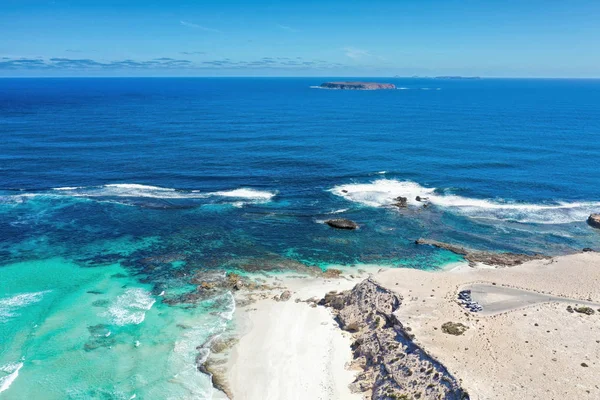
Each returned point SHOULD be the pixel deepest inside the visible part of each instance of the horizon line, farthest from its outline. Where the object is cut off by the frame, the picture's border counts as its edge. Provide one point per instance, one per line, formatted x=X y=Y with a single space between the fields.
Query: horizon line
x=438 y=77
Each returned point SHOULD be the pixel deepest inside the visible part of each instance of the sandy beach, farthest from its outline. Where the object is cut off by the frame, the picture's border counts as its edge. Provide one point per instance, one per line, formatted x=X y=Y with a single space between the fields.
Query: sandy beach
x=524 y=344
x=290 y=350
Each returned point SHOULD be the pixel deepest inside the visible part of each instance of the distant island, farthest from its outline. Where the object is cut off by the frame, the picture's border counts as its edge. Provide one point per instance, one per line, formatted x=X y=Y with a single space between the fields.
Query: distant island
x=457 y=77
x=357 y=86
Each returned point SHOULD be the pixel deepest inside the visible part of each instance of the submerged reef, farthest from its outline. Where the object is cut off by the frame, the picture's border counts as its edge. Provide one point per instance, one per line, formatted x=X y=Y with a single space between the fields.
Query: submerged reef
x=484 y=257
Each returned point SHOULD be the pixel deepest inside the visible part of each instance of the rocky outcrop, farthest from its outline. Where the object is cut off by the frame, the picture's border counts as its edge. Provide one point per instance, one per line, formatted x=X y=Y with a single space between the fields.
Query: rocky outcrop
x=342 y=224
x=393 y=366
x=594 y=221
x=284 y=296
x=400 y=202
x=484 y=257
x=454 y=328
x=357 y=86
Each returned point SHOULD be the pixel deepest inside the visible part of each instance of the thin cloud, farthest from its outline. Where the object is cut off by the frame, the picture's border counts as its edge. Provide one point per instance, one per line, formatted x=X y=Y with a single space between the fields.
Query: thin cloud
x=287 y=28
x=163 y=63
x=61 y=63
x=193 y=53
x=200 y=27
x=355 y=53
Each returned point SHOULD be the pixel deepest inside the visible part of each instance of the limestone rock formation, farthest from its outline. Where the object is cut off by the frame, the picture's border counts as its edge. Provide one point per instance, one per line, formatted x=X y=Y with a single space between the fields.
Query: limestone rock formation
x=394 y=367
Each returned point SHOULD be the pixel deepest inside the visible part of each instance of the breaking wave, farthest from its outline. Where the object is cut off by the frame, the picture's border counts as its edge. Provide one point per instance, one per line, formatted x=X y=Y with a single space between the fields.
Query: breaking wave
x=130 y=307
x=136 y=190
x=382 y=192
x=10 y=305
x=122 y=190
x=245 y=193
x=12 y=371
x=126 y=191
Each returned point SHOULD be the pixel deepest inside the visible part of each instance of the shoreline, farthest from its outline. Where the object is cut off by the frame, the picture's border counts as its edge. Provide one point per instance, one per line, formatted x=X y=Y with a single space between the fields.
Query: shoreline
x=290 y=350
x=526 y=348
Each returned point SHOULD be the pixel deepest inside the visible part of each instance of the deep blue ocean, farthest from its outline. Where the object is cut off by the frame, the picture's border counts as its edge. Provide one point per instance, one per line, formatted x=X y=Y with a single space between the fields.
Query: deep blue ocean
x=115 y=193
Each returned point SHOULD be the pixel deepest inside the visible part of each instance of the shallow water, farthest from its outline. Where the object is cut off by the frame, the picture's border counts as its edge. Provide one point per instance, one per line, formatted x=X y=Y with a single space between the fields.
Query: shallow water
x=115 y=193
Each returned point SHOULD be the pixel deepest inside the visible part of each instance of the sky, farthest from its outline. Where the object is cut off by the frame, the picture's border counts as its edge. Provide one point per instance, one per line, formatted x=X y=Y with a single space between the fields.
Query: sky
x=488 y=38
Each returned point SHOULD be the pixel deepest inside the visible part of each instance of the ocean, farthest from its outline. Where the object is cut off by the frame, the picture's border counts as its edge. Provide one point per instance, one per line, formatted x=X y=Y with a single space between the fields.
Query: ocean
x=117 y=196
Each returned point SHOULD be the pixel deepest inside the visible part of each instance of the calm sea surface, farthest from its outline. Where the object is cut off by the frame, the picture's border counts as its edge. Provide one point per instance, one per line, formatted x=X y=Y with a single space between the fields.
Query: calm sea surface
x=115 y=193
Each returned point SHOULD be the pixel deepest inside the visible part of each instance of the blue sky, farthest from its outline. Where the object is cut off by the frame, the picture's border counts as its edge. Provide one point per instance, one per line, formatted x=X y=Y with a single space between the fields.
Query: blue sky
x=509 y=38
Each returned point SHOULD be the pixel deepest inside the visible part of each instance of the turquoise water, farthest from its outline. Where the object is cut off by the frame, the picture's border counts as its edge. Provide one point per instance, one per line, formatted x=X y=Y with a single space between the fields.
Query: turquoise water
x=98 y=333
x=117 y=196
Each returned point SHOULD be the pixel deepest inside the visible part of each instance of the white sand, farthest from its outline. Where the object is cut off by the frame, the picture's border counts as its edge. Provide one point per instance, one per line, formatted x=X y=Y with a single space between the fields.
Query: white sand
x=291 y=350
x=524 y=348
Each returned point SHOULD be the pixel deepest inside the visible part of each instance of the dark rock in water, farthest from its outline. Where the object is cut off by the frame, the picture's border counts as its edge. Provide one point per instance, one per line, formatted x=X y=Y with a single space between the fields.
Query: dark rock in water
x=164 y=258
x=95 y=292
x=163 y=204
x=384 y=348
x=400 y=202
x=342 y=224
x=100 y=303
x=99 y=330
x=102 y=260
x=419 y=198
x=587 y=250
x=234 y=281
x=594 y=221
x=207 y=285
x=100 y=336
x=358 y=86
x=484 y=257
x=158 y=289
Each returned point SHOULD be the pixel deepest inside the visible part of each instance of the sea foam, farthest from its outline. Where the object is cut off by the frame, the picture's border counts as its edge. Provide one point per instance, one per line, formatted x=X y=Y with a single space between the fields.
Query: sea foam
x=10 y=305
x=133 y=190
x=13 y=372
x=246 y=193
x=130 y=307
x=382 y=192
x=124 y=190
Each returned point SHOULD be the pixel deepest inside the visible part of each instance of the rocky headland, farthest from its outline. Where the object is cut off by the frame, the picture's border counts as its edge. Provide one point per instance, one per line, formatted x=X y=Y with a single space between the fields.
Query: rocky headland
x=393 y=366
x=357 y=86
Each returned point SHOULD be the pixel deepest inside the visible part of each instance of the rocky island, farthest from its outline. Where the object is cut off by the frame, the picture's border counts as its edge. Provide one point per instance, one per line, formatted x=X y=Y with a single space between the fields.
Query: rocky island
x=357 y=86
